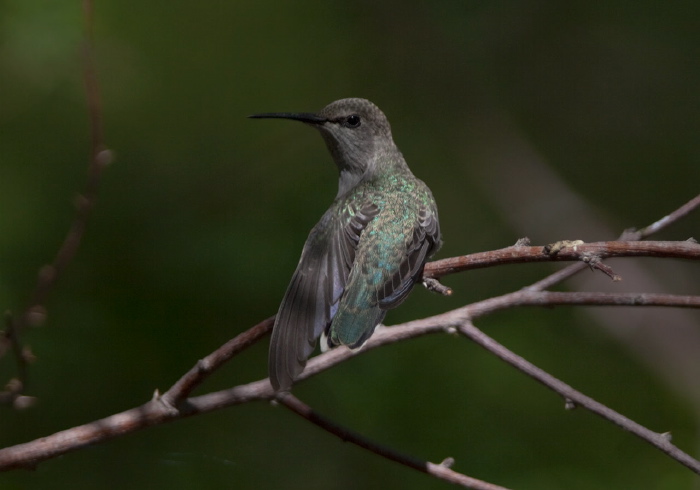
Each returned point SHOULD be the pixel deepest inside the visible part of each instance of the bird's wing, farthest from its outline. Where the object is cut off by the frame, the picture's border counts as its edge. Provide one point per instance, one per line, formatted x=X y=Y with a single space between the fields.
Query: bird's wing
x=316 y=287
x=424 y=241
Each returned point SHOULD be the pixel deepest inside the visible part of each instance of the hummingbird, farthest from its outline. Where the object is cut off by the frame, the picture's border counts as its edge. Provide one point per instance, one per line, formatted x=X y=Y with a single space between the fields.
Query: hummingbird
x=369 y=248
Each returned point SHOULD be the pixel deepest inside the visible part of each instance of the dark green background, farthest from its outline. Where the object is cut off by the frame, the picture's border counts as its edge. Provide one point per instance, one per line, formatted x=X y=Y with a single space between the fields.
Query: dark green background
x=201 y=220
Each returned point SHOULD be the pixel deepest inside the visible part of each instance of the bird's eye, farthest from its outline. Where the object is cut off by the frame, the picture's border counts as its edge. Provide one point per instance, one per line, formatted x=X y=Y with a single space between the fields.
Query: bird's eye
x=352 y=121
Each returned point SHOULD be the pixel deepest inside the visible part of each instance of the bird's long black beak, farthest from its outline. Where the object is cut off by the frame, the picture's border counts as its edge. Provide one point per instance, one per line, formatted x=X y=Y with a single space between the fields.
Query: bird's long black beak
x=306 y=117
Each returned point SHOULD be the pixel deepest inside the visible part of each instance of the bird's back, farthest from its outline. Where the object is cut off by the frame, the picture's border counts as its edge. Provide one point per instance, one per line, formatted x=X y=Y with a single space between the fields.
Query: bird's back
x=390 y=255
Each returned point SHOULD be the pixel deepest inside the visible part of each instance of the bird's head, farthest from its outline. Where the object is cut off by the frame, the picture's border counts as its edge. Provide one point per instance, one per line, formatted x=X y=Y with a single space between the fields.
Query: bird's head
x=356 y=132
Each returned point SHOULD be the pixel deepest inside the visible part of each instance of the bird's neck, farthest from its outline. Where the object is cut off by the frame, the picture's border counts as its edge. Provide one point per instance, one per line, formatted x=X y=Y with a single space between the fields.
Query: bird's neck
x=347 y=180
x=383 y=164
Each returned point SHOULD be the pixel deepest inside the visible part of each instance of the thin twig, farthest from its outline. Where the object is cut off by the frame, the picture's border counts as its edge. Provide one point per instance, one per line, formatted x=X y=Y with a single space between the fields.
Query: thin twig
x=627 y=235
x=664 y=222
x=661 y=441
x=441 y=471
x=584 y=252
x=204 y=367
x=99 y=158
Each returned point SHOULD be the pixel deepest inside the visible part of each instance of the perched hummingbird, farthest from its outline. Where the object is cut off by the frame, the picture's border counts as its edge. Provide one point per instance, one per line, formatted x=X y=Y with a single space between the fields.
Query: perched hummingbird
x=369 y=248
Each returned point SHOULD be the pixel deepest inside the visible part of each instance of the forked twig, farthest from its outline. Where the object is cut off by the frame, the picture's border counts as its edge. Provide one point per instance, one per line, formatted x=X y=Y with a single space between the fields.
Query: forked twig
x=99 y=159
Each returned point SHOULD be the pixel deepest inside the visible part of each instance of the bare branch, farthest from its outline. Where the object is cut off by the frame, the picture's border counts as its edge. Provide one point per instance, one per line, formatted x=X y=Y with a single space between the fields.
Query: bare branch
x=432 y=284
x=661 y=441
x=157 y=411
x=664 y=222
x=204 y=367
x=449 y=320
x=441 y=471
x=99 y=159
x=588 y=253
x=628 y=235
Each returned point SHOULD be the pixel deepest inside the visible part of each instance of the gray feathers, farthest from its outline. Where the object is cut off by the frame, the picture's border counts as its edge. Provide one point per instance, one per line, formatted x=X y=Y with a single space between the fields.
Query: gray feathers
x=313 y=295
x=367 y=251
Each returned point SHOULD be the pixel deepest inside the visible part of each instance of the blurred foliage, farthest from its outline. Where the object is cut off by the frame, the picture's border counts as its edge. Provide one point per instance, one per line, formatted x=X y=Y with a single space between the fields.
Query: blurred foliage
x=201 y=219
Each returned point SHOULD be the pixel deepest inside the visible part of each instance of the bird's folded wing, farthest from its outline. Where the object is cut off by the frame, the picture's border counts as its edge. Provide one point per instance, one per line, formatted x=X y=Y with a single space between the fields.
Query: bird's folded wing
x=313 y=294
x=424 y=241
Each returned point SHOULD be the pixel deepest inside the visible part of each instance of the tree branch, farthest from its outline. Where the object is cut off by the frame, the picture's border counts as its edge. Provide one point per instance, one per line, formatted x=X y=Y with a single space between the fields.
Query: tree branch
x=99 y=159
x=572 y=397
x=588 y=253
x=441 y=471
x=204 y=367
x=664 y=222
x=157 y=411
x=628 y=235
